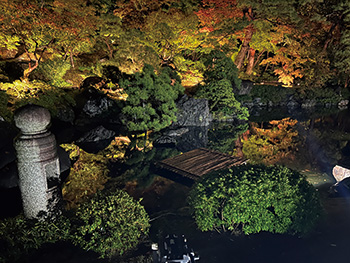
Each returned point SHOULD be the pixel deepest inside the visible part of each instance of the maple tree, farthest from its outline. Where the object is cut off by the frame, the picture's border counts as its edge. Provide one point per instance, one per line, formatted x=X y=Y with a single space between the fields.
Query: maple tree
x=134 y=12
x=175 y=38
x=262 y=33
x=62 y=27
x=283 y=40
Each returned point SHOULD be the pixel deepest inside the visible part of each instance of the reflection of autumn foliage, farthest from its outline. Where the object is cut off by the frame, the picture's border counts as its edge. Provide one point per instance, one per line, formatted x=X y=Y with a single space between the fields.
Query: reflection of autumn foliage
x=273 y=144
x=89 y=172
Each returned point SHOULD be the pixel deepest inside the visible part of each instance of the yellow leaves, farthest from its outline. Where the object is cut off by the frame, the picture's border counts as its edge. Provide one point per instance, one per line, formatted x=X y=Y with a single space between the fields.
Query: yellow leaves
x=290 y=62
x=116 y=149
x=87 y=176
x=72 y=149
x=287 y=77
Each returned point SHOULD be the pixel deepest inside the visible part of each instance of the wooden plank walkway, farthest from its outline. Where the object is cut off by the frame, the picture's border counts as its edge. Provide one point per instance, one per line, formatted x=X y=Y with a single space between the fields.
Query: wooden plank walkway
x=198 y=162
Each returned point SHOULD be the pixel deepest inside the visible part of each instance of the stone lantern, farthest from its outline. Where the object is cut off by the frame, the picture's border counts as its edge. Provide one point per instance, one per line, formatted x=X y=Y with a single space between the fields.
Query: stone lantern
x=38 y=163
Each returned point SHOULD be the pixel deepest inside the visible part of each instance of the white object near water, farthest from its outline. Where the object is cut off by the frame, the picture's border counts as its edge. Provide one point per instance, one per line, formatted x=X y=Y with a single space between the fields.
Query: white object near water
x=340 y=173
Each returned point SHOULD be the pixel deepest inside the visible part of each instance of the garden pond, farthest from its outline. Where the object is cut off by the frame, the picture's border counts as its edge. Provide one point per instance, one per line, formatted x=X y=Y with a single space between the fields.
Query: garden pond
x=310 y=142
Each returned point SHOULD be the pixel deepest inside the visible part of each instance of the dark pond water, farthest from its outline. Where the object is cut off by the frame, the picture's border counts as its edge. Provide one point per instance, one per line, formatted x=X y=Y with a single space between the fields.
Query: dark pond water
x=322 y=141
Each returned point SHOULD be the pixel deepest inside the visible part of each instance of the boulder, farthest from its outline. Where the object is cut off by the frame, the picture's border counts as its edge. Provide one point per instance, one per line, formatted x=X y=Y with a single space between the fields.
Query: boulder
x=292 y=104
x=184 y=139
x=96 y=139
x=63 y=156
x=308 y=104
x=92 y=102
x=66 y=114
x=196 y=137
x=100 y=133
x=96 y=106
x=246 y=87
x=192 y=112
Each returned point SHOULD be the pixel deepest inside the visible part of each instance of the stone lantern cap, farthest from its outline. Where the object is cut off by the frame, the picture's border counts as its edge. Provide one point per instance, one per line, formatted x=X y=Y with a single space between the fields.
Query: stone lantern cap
x=32 y=119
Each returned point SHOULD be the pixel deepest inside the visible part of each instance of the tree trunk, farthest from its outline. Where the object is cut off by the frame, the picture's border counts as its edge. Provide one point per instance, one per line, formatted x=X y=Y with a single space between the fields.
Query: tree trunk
x=251 y=58
x=110 y=50
x=29 y=70
x=239 y=61
x=245 y=47
x=71 y=58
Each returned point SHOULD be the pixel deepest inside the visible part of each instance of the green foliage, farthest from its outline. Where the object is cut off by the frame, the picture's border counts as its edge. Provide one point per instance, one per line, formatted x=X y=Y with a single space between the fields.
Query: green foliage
x=88 y=175
x=21 y=93
x=131 y=55
x=255 y=198
x=151 y=99
x=173 y=34
x=191 y=72
x=20 y=235
x=107 y=224
x=221 y=77
x=110 y=224
x=53 y=71
x=219 y=67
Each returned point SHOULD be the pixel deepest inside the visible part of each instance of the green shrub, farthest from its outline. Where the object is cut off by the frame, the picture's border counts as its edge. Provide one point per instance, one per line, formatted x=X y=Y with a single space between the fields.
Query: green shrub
x=110 y=224
x=254 y=198
x=107 y=224
x=323 y=96
x=20 y=235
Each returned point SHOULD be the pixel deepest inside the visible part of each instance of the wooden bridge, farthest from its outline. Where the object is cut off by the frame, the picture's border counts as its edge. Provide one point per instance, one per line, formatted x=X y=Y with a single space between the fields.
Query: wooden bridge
x=198 y=162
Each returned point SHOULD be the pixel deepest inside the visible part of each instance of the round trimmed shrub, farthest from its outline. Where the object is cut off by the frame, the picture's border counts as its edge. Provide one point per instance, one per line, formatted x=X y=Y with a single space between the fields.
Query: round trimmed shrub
x=110 y=224
x=254 y=198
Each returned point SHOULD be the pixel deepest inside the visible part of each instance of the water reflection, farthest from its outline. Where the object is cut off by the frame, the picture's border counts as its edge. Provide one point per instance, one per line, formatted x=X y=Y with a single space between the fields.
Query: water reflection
x=271 y=142
x=313 y=144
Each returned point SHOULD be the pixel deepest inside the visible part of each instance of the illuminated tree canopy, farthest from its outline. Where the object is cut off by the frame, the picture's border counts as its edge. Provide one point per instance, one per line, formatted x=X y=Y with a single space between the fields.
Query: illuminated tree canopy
x=285 y=42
